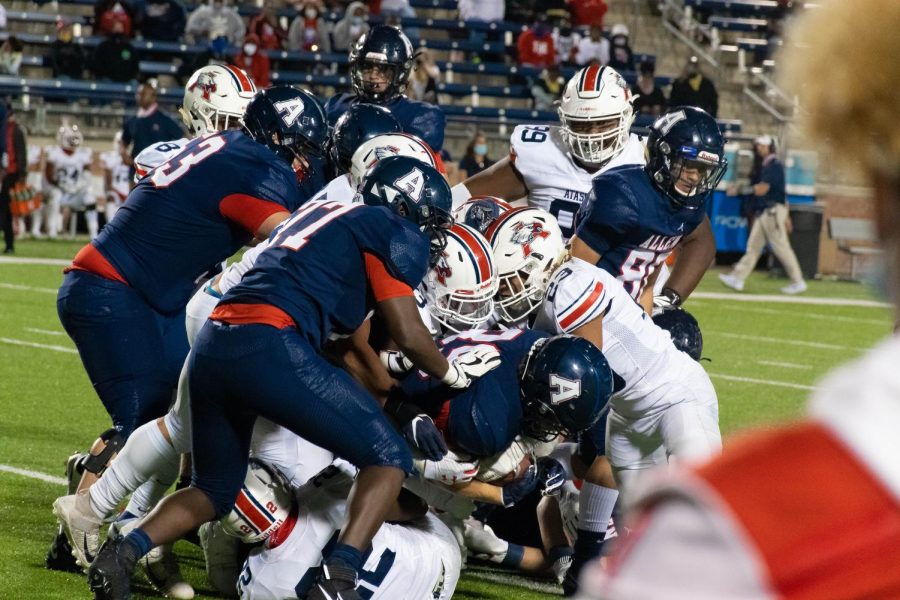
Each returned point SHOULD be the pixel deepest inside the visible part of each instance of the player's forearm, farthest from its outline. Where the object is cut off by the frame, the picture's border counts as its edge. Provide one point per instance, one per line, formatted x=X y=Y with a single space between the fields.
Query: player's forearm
x=500 y=179
x=696 y=254
x=479 y=491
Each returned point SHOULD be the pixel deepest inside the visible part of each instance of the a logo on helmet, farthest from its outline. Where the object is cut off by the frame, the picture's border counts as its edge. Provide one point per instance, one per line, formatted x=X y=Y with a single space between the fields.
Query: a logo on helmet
x=442 y=270
x=525 y=233
x=386 y=151
x=206 y=83
x=290 y=110
x=563 y=389
x=412 y=184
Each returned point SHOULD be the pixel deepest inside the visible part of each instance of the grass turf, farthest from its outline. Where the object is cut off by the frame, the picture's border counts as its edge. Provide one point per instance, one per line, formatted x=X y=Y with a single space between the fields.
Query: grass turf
x=764 y=359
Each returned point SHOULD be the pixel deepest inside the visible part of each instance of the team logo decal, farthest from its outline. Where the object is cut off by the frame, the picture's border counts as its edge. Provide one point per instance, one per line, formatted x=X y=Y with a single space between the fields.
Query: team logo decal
x=386 y=151
x=524 y=234
x=413 y=184
x=442 y=270
x=206 y=83
x=290 y=110
x=563 y=389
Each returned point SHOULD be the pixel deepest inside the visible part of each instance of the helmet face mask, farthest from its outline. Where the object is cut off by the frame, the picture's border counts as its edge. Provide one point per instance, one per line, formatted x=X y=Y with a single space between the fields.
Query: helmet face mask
x=596 y=114
x=69 y=137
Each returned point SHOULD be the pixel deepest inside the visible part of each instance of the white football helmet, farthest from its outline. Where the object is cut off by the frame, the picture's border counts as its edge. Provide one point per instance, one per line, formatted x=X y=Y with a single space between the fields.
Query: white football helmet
x=480 y=211
x=382 y=146
x=69 y=137
x=262 y=505
x=460 y=288
x=215 y=98
x=527 y=245
x=596 y=113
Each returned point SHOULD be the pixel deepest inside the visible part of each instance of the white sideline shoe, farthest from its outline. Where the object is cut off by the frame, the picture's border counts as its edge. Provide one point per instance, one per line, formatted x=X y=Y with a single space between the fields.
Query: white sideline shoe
x=161 y=568
x=81 y=525
x=794 y=288
x=732 y=282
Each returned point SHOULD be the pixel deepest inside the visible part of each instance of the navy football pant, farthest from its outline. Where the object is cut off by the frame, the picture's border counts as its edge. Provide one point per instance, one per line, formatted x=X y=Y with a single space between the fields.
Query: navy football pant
x=132 y=354
x=239 y=372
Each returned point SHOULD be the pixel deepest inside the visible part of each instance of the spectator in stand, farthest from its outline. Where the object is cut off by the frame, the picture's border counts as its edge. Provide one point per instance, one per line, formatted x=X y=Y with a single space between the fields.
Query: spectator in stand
x=649 y=97
x=621 y=57
x=115 y=58
x=351 y=27
x=252 y=59
x=11 y=56
x=548 y=88
x=216 y=52
x=266 y=27
x=309 y=31
x=588 y=12
x=566 y=40
x=66 y=57
x=108 y=13
x=476 y=159
x=487 y=11
x=535 y=45
x=163 y=20
x=16 y=172
x=424 y=78
x=150 y=125
x=394 y=10
x=593 y=49
x=214 y=20
x=694 y=89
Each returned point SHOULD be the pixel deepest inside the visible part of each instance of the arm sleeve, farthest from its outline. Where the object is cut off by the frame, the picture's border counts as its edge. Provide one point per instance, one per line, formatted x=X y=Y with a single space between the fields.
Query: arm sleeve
x=384 y=285
x=248 y=211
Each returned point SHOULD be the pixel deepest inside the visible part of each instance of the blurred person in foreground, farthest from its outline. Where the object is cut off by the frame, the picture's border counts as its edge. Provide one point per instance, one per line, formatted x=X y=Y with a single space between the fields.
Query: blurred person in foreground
x=810 y=510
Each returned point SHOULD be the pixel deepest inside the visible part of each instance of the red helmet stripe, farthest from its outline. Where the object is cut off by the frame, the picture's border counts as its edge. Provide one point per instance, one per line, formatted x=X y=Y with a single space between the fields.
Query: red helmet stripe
x=243 y=80
x=478 y=251
x=591 y=78
x=255 y=515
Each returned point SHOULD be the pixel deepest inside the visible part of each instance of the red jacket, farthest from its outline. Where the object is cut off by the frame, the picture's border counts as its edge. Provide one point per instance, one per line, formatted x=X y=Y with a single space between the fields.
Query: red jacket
x=536 y=51
x=587 y=12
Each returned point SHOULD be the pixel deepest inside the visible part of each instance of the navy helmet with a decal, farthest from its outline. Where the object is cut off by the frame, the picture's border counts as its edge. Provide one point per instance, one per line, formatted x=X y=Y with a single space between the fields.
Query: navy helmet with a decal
x=565 y=384
x=686 y=155
x=289 y=121
x=413 y=190
x=359 y=124
x=387 y=50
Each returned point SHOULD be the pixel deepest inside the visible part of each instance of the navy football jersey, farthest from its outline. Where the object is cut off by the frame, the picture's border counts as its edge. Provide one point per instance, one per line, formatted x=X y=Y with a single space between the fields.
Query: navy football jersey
x=484 y=418
x=632 y=225
x=315 y=267
x=172 y=229
x=421 y=119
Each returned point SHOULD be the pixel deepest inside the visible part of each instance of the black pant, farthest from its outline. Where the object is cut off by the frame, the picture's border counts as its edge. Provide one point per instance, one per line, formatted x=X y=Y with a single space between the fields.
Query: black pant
x=6 y=220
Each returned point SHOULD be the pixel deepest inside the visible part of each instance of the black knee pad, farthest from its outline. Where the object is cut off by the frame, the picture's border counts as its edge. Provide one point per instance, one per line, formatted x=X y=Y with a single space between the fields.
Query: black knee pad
x=96 y=463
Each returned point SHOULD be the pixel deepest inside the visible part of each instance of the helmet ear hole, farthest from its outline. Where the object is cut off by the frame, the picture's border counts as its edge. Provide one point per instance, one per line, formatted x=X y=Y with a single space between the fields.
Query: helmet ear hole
x=664 y=148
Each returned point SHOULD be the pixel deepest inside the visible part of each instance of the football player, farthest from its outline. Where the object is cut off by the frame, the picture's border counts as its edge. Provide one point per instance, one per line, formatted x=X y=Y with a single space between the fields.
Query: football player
x=414 y=556
x=553 y=165
x=68 y=175
x=380 y=64
x=638 y=214
x=122 y=301
x=322 y=275
x=116 y=176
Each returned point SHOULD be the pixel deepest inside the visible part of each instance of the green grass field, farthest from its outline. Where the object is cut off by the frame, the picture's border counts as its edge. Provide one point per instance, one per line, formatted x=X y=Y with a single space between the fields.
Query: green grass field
x=765 y=357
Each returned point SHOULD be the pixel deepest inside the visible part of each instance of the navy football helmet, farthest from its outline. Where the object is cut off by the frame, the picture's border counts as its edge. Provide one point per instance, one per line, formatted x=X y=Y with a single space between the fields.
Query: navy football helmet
x=684 y=330
x=565 y=384
x=289 y=121
x=686 y=155
x=359 y=124
x=479 y=212
x=385 y=48
x=413 y=190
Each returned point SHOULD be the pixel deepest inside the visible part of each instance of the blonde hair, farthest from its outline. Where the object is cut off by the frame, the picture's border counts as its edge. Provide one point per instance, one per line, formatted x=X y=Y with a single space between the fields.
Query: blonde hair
x=842 y=59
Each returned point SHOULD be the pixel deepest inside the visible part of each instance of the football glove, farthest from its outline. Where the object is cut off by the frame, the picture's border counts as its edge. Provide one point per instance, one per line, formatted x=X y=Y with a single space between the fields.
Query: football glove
x=481 y=541
x=395 y=362
x=667 y=299
x=450 y=470
x=551 y=475
x=422 y=433
x=471 y=365
x=335 y=582
x=514 y=491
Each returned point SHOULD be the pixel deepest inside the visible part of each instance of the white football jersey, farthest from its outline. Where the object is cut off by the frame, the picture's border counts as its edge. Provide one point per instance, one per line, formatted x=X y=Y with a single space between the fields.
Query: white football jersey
x=71 y=170
x=120 y=174
x=337 y=190
x=638 y=351
x=152 y=156
x=555 y=182
x=414 y=561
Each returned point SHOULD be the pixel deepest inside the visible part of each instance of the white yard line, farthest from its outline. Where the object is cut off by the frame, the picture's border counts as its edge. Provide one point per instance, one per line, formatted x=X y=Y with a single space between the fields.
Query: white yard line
x=21 y=260
x=33 y=474
x=762 y=338
x=45 y=331
x=782 y=299
x=786 y=384
x=28 y=288
x=886 y=322
x=36 y=345
x=786 y=365
x=510 y=578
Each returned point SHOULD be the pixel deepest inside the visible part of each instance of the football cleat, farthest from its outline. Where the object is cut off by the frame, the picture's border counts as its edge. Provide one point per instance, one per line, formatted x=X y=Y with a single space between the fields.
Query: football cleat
x=110 y=574
x=161 y=567
x=561 y=566
x=81 y=526
x=59 y=557
x=74 y=470
x=335 y=582
x=222 y=553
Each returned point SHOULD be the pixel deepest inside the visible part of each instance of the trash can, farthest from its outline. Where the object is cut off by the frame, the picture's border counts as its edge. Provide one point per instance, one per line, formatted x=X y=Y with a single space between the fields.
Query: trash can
x=807 y=220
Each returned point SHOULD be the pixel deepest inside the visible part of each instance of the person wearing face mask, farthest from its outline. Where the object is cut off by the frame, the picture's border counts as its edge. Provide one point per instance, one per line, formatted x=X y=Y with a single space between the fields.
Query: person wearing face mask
x=309 y=31
x=566 y=40
x=535 y=45
x=213 y=20
x=266 y=26
x=66 y=57
x=349 y=29
x=476 y=159
x=163 y=20
x=252 y=59
x=693 y=88
x=593 y=49
x=621 y=57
